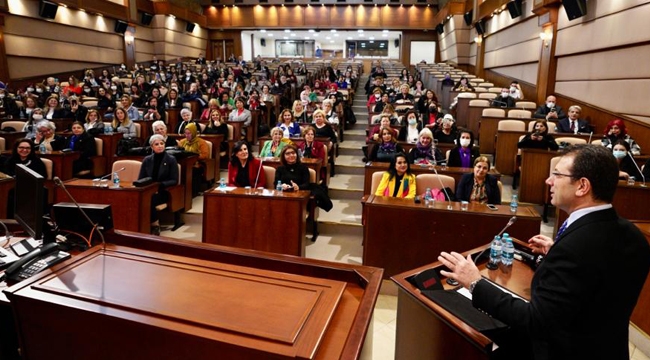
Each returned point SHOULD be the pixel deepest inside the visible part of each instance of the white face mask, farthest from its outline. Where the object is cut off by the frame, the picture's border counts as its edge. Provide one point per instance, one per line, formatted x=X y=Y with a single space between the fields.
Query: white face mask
x=114 y=87
x=505 y=94
x=550 y=104
x=39 y=90
x=2 y=96
x=188 y=74
x=412 y=121
x=30 y=89
x=619 y=154
x=86 y=90
x=464 y=142
x=513 y=89
x=37 y=117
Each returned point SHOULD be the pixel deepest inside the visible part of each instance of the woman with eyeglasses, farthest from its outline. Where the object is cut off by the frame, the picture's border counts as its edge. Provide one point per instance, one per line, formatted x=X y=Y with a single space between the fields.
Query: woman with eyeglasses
x=479 y=186
x=46 y=136
x=292 y=174
x=24 y=154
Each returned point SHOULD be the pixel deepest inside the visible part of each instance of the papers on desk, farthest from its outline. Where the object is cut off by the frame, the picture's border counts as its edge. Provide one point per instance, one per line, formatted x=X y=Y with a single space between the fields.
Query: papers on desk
x=224 y=189
x=463 y=291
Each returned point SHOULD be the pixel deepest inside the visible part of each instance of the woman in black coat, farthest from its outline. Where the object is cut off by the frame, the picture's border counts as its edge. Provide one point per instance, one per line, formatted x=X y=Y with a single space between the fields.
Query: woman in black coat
x=23 y=153
x=163 y=169
x=464 y=154
x=83 y=142
x=479 y=186
x=292 y=174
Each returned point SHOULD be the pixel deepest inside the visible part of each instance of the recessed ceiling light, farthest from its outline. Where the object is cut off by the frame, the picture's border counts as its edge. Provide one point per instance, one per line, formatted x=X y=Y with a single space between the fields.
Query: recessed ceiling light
x=384 y=31
x=360 y=30
x=286 y=38
x=384 y=35
x=311 y=30
x=349 y=37
x=287 y=30
x=333 y=30
x=328 y=38
x=293 y=34
x=269 y=34
x=336 y=34
x=263 y=30
x=372 y=38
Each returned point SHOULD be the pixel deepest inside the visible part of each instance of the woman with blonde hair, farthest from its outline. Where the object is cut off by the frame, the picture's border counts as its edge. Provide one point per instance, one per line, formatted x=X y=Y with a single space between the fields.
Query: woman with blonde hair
x=274 y=147
x=123 y=124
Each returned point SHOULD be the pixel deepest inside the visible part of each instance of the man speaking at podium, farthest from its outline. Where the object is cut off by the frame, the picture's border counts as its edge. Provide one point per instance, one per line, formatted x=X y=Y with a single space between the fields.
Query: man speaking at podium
x=585 y=288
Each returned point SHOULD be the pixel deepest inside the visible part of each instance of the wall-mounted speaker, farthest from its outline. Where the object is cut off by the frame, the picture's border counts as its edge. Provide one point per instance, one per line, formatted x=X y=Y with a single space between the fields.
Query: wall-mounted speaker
x=468 y=17
x=514 y=7
x=440 y=29
x=480 y=27
x=575 y=8
x=263 y=42
x=48 y=9
x=396 y=43
x=190 y=26
x=120 y=26
x=146 y=18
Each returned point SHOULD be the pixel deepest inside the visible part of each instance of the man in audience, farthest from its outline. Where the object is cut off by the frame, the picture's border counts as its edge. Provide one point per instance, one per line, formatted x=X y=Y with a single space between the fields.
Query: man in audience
x=573 y=124
x=550 y=111
x=504 y=100
x=572 y=313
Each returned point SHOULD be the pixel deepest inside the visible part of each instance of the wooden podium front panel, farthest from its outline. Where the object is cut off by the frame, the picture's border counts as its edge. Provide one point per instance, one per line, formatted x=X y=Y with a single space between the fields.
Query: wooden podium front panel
x=266 y=221
x=201 y=308
x=400 y=235
x=6 y=184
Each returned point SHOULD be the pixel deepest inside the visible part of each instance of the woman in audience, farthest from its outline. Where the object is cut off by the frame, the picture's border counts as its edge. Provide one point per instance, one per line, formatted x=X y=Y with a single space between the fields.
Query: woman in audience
x=217 y=127
x=464 y=154
x=46 y=136
x=244 y=169
x=292 y=174
x=105 y=101
x=266 y=94
x=463 y=85
x=418 y=90
x=615 y=131
x=213 y=104
x=159 y=128
x=300 y=113
x=425 y=151
x=130 y=108
x=288 y=126
x=186 y=118
x=123 y=124
x=155 y=110
x=73 y=87
x=24 y=152
x=428 y=106
x=322 y=128
x=172 y=101
x=28 y=106
x=626 y=166
x=274 y=147
x=94 y=124
x=384 y=122
x=240 y=114
x=194 y=144
x=381 y=105
x=398 y=181
x=411 y=130
x=225 y=103
x=163 y=169
x=386 y=148
x=83 y=142
x=331 y=115
x=539 y=138
x=446 y=134
x=313 y=149
x=479 y=186
x=35 y=116
x=53 y=109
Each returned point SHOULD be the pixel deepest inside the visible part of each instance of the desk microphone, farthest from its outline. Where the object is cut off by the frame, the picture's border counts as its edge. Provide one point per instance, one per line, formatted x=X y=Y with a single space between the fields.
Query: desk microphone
x=258 y=173
x=60 y=184
x=637 y=167
x=590 y=135
x=442 y=186
x=509 y=224
x=107 y=175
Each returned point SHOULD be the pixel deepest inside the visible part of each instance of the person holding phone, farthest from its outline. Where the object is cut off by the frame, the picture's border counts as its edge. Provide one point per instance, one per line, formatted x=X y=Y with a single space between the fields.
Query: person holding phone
x=550 y=110
x=398 y=181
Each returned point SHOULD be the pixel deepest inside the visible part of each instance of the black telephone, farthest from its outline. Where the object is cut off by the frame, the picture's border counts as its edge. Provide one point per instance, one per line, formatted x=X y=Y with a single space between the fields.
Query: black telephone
x=36 y=261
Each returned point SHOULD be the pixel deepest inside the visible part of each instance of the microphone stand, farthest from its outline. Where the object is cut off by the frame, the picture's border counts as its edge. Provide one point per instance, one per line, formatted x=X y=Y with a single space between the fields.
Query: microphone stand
x=442 y=186
x=637 y=167
x=509 y=224
x=107 y=175
x=60 y=184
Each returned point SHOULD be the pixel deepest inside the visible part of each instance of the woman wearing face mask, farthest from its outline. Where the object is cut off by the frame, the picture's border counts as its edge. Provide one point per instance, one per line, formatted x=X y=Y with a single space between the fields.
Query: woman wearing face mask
x=479 y=186
x=386 y=148
x=374 y=99
x=398 y=181
x=288 y=126
x=244 y=169
x=447 y=81
x=615 y=131
x=625 y=161
x=425 y=151
x=83 y=142
x=163 y=169
x=410 y=132
x=428 y=107
x=30 y=125
x=464 y=154
x=94 y=124
x=274 y=147
x=41 y=93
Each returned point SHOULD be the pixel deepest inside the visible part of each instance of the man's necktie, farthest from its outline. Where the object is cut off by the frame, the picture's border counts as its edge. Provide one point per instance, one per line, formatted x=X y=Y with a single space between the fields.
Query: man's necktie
x=573 y=126
x=561 y=230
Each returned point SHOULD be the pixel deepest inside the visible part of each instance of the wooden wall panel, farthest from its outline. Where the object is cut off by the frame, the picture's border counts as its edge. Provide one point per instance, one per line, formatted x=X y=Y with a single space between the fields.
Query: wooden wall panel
x=22 y=67
x=368 y=16
x=393 y=16
x=342 y=17
x=242 y=16
x=266 y=16
x=421 y=17
x=291 y=16
x=317 y=16
x=502 y=80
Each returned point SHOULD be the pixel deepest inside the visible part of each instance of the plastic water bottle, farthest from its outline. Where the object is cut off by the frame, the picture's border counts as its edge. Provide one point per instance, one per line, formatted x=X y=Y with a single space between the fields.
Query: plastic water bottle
x=508 y=252
x=116 y=180
x=427 y=197
x=495 y=253
x=278 y=187
x=42 y=149
x=514 y=203
x=222 y=183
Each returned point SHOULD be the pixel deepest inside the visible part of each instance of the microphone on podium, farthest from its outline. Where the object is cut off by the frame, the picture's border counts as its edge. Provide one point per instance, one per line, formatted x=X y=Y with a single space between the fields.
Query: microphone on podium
x=59 y=183
x=509 y=224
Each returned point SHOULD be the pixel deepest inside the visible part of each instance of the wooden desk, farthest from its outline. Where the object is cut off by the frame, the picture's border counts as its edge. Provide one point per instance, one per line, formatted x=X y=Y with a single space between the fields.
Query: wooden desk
x=109 y=148
x=400 y=235
x=6 y=184
x=264 y=221
x=312 y=309
x=535 y=169
x=455 y=172
x=186 y=163
x=173 y=114
x=216 y=141
x=425 y=330
x=131 y=206
x=62 y=162
x=145 y=130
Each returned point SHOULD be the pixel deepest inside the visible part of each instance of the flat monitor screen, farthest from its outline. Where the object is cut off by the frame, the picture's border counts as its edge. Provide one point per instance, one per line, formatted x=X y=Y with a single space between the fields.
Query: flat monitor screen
x=29 y=201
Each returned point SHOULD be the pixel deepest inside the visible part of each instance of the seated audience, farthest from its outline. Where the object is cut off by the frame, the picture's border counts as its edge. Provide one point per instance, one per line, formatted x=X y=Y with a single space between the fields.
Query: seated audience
x=218 y=127
x=292 y=174
x=479 y=186
x=83 y=142
x=404 y=96
x=194 y=144
x=464 y=154
x=322 y=127
x=626 y=166
x=539 y=138
x=289 y=127
x=615 y=131
x=503 y=100
x=550 y=110
x=186 y=118
x=123 y=124
x=23 y=153
x=425 y=151
x=386 y=148
x=410 y=132
x=240 y=114
x=244 y=169
x=331 y=115
x=313 y=149
x=130 y=108
x=53 y=109
x=273 y=147
x=213 y=104
x=159 y=128
x=397 y=181
x=300 y=113
x=447 y=132
x=30 y=125
x=463 y=85
x=384 y=122
x=573 y=124
x=163 y=169
x=46 y=136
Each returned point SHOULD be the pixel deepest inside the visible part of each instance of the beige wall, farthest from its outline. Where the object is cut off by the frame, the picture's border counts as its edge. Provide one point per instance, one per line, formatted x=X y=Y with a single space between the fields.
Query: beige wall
x=454 y=43
x=73 y=41
x=170 y=40
x=603 y=57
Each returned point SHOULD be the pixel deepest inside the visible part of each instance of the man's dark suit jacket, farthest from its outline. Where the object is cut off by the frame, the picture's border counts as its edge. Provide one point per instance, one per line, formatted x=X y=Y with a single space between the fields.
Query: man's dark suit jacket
x=564 y=126
x=543 y=110
x=582 y=294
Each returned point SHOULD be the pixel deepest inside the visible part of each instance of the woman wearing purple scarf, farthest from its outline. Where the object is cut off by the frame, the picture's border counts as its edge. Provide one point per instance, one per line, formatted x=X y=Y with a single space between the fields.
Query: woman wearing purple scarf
x=425 y=151
x=387 y=147
x=464 y=154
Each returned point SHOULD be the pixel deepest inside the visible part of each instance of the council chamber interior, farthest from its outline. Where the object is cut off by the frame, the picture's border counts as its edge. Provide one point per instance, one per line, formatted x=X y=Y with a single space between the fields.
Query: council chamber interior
x=254 y=272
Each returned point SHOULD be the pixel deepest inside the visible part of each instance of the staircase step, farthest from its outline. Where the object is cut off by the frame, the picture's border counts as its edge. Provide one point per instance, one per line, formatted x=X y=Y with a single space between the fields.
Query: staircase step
x=348 y=212
x=347 y=182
